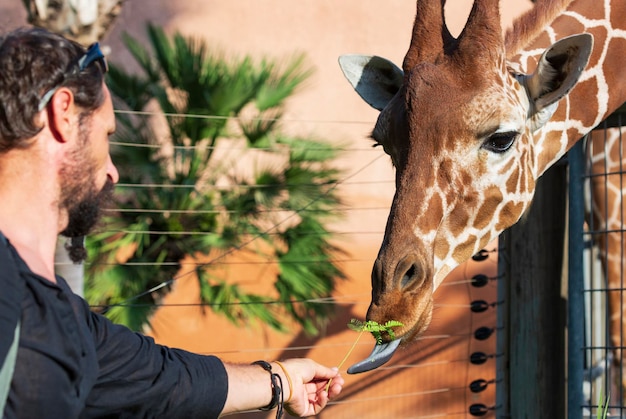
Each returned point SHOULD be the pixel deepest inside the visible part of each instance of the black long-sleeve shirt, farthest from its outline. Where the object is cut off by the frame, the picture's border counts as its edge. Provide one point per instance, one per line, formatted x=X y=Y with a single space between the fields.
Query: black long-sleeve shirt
x=73 y=363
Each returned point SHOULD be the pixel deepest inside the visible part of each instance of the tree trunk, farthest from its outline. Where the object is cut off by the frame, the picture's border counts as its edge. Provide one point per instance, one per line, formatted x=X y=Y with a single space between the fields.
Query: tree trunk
x=84 y=21
x=63 y=266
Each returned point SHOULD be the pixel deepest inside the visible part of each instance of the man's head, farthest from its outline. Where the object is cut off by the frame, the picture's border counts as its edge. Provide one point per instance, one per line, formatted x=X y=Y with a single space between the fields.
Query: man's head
x=34 y=62
x=53 y=85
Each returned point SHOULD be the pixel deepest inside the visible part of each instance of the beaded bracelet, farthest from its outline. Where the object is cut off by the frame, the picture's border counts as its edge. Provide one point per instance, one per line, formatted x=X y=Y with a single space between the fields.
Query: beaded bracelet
x=277 y=389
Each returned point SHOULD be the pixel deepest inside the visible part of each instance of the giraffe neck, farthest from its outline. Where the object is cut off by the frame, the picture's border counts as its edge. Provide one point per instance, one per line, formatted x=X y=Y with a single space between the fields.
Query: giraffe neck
x=602 y=86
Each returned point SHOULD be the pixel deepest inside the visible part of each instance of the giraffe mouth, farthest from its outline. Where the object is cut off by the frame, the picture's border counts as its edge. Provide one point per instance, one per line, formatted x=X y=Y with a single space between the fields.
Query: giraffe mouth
x=380 y=355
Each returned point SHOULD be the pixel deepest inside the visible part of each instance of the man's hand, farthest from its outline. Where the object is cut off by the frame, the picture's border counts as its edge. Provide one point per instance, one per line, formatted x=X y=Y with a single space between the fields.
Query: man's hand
x=309 y=380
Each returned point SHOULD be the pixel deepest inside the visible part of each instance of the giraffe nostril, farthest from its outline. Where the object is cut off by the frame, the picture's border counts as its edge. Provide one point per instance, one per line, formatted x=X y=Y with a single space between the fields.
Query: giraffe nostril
x=409 y=277
x=414 y=277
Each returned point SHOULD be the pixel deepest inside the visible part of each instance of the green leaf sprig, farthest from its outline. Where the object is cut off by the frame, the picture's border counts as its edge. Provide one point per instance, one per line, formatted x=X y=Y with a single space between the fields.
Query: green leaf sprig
x=375 y=328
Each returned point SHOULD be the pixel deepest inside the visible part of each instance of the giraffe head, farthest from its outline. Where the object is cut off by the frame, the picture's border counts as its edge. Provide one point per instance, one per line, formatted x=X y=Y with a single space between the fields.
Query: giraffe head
x=463 y=132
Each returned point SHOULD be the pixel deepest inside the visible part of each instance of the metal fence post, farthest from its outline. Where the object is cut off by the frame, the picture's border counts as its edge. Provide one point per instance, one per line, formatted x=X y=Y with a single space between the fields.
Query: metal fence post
x=575 y=334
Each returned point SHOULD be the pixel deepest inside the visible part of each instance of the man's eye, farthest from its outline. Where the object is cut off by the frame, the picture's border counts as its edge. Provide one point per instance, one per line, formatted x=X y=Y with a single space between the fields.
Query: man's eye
x=499 y=142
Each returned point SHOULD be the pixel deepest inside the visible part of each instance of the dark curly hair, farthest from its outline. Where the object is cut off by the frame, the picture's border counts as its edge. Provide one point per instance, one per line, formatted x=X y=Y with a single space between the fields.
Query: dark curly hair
x=33 y=61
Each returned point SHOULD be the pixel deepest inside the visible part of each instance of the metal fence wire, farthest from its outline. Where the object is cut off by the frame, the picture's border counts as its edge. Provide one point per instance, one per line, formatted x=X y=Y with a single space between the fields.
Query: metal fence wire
x=604 y=296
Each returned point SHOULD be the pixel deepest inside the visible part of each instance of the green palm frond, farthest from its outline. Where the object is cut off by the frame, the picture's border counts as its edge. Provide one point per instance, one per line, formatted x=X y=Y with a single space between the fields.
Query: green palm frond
x=280 y=85
x=168 y=208
x=238 y=306
x=143 y=57
x=133 y=90
x=259 y=131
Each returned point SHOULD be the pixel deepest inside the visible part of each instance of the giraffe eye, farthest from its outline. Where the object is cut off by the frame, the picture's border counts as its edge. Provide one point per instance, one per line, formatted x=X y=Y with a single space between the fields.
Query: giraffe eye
x=499 y=142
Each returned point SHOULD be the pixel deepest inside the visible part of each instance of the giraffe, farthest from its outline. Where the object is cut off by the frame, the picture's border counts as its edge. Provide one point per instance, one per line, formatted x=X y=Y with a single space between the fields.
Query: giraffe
x=470 y=124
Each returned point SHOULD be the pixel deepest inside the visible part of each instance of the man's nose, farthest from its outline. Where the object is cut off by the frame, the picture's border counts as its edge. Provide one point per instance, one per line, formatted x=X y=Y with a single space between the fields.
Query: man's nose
x=112 y=172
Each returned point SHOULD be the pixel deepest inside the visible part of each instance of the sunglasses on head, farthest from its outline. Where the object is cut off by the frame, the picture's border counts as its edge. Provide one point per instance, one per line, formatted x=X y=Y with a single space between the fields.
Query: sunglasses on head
x=93 y=55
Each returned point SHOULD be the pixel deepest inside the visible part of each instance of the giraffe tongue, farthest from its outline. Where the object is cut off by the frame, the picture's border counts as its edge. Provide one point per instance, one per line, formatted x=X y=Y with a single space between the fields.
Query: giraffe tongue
x=380 y=355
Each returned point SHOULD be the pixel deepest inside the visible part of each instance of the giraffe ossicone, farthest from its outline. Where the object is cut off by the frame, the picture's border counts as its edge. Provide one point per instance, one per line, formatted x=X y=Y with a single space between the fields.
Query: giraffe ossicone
x=469 y=134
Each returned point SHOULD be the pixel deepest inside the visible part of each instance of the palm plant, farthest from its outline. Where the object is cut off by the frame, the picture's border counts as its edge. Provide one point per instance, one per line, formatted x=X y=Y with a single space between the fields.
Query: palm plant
x=170 y=174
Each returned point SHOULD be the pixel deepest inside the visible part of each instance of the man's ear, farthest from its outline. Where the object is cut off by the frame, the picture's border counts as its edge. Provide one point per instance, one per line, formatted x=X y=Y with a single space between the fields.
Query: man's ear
x=62 y=114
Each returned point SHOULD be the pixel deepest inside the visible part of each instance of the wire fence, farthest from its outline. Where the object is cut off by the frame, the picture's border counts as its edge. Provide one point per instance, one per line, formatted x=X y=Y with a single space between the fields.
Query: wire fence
x=449 y=372
x=604 y=287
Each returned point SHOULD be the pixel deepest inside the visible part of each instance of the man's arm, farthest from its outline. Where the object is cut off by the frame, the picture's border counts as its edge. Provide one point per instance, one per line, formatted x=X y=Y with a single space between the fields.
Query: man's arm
x=250 y=387
x=141 y=378
x=136 y=373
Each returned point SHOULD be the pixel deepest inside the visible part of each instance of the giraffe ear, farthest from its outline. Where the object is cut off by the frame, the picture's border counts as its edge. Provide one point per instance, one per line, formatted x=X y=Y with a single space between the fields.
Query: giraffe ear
x=375 y=79
x=558 y=70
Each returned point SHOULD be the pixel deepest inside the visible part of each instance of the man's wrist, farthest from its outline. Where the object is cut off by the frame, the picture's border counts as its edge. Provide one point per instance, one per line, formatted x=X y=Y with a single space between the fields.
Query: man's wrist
x=276 y=386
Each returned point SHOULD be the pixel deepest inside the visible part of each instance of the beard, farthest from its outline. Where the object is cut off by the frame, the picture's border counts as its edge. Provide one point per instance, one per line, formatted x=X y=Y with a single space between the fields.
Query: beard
x=85 y=213
x=82 y=217
x=80 y=197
